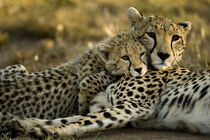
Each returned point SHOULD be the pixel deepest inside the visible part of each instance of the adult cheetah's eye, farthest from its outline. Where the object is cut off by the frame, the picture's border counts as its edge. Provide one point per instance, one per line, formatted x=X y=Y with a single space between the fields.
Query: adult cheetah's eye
x=175 y=37
x=125 y=57
x=151 y=34
x=142 y=54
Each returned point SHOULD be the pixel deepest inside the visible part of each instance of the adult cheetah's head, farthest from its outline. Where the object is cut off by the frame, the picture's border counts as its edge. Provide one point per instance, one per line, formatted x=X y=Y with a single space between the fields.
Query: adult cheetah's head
x=163 y=37
x=123 y=56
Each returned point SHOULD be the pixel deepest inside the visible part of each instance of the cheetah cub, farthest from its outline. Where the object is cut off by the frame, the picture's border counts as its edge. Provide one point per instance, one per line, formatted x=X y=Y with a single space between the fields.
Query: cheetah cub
x=53 y=93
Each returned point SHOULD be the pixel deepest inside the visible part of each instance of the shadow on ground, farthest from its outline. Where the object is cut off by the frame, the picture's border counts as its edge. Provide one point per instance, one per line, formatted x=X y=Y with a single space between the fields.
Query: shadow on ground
x=141 y=134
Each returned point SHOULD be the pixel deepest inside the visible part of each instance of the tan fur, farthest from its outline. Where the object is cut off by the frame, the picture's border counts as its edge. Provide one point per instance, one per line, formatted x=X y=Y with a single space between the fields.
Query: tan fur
x=174 y=99
x=53 y=93
x=164 y=30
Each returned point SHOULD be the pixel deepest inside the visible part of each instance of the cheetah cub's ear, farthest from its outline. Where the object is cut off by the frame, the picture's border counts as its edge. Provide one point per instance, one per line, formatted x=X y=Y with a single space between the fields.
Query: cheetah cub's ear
x=134 y=16
x=185 y=25
x=103 y=51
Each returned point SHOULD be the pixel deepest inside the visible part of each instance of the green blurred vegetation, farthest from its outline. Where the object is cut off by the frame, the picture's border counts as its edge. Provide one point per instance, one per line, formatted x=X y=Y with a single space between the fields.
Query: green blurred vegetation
x=45 y=33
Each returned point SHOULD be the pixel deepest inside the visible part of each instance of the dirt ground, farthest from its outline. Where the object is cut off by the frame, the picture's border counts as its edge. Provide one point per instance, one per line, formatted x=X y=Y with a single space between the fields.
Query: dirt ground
x=133 y=134
x=142 y=134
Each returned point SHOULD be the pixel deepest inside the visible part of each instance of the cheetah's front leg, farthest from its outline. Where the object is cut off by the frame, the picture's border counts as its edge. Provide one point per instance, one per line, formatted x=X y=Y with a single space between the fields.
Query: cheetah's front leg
x=90 y=86
x=21 y=126
x=109 y=118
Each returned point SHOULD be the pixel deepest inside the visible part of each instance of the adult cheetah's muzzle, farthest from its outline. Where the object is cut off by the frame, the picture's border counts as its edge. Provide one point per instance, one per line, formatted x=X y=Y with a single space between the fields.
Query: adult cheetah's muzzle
x=163 y=56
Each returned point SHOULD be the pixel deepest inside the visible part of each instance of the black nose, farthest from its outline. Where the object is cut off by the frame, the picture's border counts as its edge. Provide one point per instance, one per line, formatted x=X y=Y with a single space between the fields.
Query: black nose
x=163 y=56
x=138 y=70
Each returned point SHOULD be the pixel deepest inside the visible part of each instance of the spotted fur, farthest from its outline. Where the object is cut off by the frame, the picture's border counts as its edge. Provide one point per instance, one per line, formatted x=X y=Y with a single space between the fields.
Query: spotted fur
x=176 y=99
x=13 y=71
x=53 y=93
x=163 y=38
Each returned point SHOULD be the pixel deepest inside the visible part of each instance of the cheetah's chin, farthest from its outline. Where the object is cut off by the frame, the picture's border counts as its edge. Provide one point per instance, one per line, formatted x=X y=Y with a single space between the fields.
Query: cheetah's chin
x=160 y=65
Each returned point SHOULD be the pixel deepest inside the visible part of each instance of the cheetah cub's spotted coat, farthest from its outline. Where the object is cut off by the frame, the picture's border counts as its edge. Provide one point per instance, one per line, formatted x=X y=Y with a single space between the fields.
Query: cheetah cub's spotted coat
x=53 y=93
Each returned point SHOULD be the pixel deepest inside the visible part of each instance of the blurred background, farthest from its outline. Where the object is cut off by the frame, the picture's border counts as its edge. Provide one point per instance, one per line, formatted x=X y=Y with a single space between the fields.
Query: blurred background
x=43 y=33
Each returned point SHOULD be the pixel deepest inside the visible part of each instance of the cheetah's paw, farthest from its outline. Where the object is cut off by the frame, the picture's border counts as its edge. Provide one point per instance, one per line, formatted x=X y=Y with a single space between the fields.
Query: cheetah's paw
x=12 y=129
x=41 y=133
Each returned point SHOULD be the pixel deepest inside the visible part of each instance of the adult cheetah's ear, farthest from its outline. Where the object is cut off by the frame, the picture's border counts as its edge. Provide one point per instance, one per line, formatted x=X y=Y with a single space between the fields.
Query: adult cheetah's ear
x=186 y=26
x=134 y=16
x=103 y=51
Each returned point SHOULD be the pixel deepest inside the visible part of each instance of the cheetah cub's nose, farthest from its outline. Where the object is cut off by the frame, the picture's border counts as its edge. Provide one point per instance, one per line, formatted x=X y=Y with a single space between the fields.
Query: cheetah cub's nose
x=138 y=70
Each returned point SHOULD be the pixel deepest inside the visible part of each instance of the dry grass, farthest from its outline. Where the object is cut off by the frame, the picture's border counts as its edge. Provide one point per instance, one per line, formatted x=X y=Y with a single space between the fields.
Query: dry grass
x=41 y=34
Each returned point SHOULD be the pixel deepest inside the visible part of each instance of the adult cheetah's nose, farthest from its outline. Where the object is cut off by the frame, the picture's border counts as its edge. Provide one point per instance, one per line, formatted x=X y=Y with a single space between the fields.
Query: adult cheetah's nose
x=163 y=56
x=138 y=70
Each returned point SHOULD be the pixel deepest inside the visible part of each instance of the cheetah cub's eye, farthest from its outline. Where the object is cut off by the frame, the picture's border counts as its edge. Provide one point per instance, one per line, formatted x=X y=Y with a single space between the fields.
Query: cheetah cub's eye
x=151 y=34
x=125 y=57
x=175 y=37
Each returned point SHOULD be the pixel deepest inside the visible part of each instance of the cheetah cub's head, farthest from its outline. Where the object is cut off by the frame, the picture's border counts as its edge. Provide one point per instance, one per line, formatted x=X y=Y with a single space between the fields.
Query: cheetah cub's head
x=164 y=38
x=123 y=56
